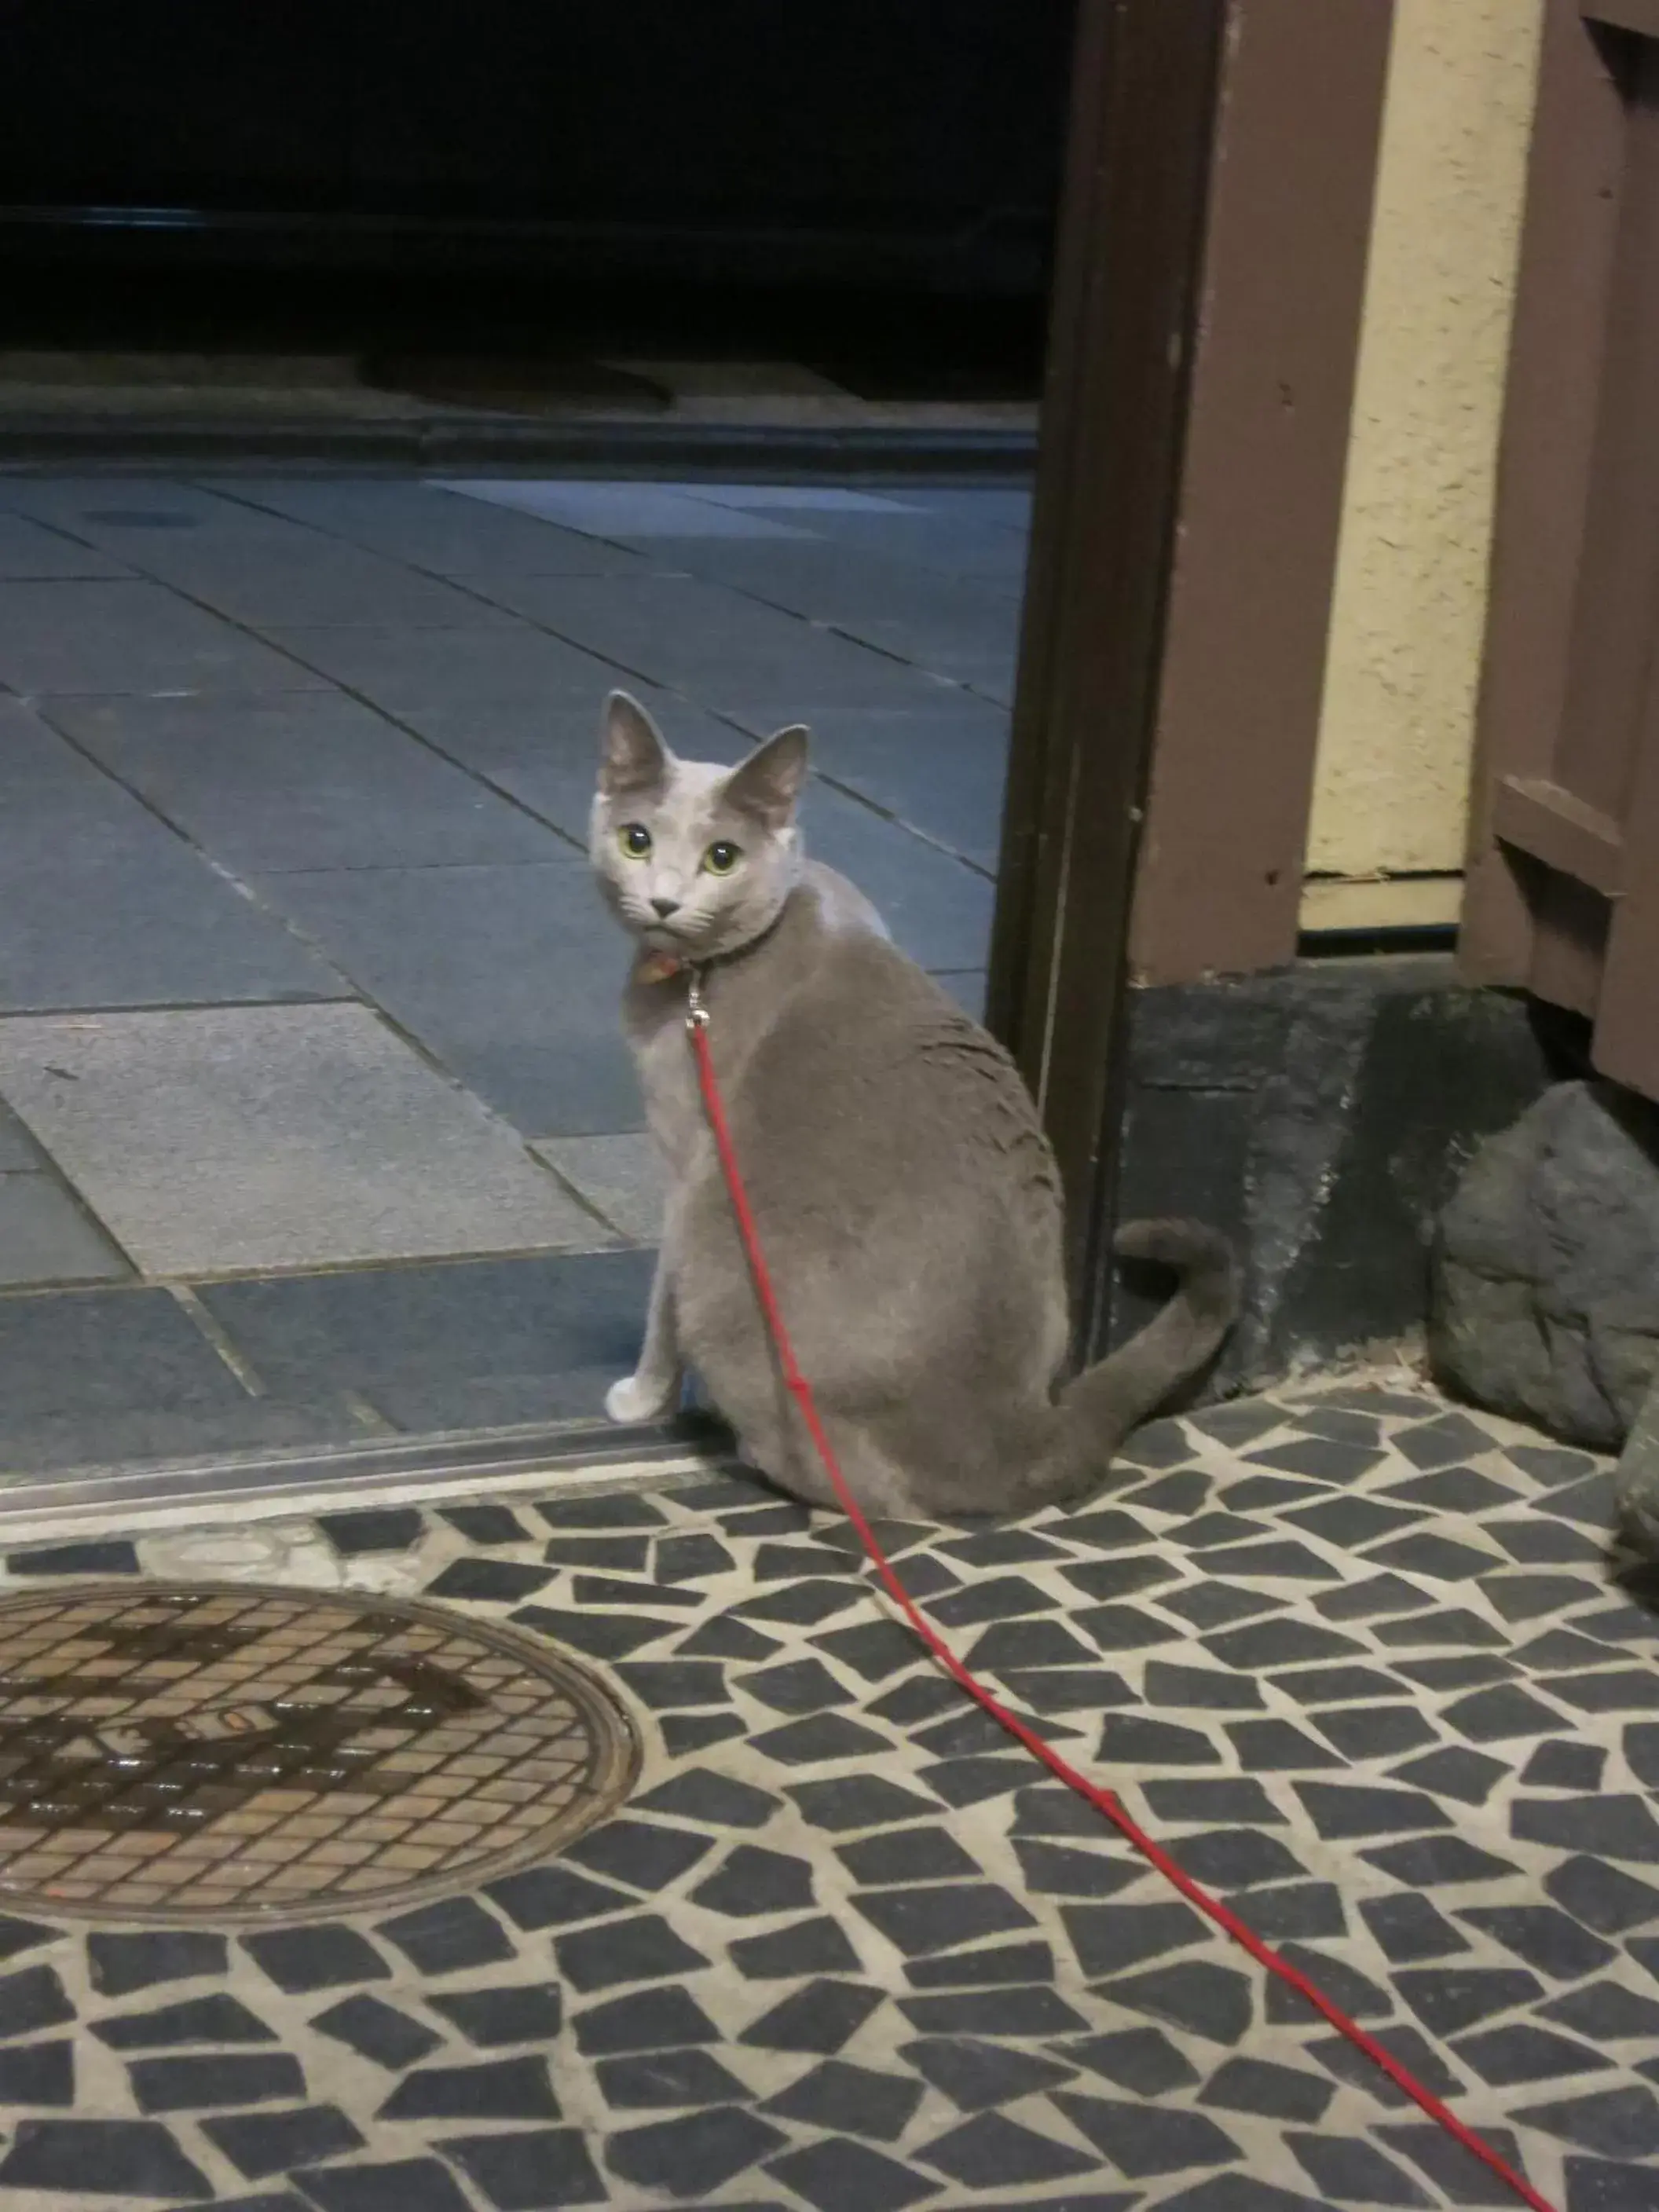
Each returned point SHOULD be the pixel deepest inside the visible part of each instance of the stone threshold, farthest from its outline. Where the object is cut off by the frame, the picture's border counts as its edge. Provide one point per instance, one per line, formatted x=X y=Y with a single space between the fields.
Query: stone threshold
x=578 y=1459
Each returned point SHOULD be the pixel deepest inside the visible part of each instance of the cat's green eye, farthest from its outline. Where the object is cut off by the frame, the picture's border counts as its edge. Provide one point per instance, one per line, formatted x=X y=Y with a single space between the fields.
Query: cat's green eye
x=634 y=840
x=720 y=860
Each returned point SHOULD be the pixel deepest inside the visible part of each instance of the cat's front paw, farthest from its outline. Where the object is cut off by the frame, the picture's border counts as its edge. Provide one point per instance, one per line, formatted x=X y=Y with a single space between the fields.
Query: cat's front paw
x=637 y=1399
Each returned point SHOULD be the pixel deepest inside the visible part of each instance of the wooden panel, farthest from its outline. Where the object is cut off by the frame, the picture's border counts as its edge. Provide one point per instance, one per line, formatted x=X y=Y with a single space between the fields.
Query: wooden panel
x=1550 y=429
x=1564 y=884
x=1292 y=183
x=1641 y=16
x=1618 y=588
x=1537 y=817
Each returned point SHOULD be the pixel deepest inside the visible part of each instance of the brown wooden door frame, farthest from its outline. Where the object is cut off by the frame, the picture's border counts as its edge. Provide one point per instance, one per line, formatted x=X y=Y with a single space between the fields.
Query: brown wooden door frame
x=1207 y=302
x=1125 y=289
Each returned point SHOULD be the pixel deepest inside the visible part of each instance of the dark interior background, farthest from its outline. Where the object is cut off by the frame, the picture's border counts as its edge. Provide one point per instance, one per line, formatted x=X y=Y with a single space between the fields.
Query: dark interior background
x=854 y=141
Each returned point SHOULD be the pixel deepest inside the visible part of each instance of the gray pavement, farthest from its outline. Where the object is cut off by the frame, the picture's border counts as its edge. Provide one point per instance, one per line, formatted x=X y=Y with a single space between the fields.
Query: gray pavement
x=315 y=1117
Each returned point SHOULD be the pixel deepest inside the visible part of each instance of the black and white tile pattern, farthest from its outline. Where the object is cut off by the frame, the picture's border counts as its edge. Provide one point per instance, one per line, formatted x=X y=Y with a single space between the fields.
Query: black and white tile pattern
x=1369 y=1665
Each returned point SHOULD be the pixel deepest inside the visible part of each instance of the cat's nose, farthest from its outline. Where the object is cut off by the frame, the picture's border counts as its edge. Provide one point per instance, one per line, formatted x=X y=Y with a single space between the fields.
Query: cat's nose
x=665 y=907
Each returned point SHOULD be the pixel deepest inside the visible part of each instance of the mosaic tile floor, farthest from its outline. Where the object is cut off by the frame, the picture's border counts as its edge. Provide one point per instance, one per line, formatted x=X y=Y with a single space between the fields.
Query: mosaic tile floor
x=1366 y=1662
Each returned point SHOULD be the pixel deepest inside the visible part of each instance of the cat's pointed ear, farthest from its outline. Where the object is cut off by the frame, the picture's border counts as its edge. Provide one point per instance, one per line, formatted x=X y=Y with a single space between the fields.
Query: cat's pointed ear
x=633 y=756
x=768 y=786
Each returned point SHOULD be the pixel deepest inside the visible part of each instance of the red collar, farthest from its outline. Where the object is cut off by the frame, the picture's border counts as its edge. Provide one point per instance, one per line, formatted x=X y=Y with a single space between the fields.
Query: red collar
x=660 y=968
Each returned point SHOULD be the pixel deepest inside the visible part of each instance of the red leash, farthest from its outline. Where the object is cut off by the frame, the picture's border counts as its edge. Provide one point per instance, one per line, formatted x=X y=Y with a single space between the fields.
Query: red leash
x=1098 y=1795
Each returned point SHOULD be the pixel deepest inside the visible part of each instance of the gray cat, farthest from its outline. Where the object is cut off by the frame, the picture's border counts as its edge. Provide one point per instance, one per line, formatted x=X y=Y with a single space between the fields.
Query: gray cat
x=906 y=1196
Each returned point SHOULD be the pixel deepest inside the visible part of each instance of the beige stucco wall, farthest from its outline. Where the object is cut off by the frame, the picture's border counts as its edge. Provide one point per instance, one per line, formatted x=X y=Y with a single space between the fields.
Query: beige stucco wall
x=1398 y=719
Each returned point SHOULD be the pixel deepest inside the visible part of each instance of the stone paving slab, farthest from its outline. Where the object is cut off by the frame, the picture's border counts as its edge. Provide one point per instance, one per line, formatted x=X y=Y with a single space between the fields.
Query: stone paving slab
x=222 y=1141
x=45 y=1238
x=315 y=780
x=984 y=505
x=432 y=529
x=93 y=1377
x=951 y=626
x=131 y=637
x=29 y=550
x=949 y=545
x=938 y=909
x=968 y=989
x=557 y=733
x=717 y=646
x=620 y=1177
x=119 y=513
x=804 y=500
x=314 y=581
x=58 y=1448
x=365 y=783
x=938 y=770
x=557 y=785
x=398 y=668
x=19 y=1153
x=847 y=1948
x=101 y=906
x=50 y=793
x=621 y=511
x=1005 y=507
x=87 y=1355
x=511 y=977
x=544 y=751
x=473 y=1344
x=140 y=926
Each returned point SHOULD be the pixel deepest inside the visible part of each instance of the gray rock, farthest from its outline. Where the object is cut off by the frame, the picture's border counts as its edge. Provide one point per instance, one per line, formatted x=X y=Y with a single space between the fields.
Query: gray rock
x=1637 y=1482
x=1546 y=1288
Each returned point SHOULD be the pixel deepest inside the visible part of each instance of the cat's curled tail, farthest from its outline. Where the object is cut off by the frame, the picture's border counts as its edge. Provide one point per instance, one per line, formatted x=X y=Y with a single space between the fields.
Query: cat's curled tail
x=1098 y=1410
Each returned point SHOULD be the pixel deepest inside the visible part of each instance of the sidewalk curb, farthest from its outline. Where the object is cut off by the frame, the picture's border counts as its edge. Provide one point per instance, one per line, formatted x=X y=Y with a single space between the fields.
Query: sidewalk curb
x=611 y=449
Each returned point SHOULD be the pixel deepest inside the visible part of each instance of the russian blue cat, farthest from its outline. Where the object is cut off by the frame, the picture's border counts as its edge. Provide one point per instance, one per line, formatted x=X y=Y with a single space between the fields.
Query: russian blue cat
x=907 y=1199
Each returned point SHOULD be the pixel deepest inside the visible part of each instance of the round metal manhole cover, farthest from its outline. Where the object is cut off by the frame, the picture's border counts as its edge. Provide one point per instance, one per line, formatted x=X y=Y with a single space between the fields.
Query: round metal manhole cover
x=225 y=1754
